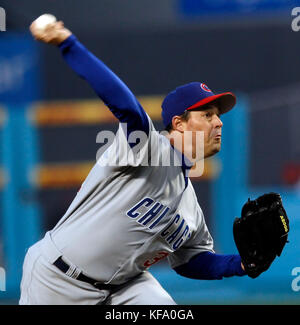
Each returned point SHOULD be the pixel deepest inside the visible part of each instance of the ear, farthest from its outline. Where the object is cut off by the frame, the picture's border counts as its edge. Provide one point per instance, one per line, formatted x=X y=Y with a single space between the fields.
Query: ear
x=178 y=123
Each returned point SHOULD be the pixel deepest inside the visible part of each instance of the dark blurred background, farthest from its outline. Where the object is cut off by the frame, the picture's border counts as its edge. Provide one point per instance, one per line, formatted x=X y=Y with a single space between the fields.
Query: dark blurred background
x=249 y=48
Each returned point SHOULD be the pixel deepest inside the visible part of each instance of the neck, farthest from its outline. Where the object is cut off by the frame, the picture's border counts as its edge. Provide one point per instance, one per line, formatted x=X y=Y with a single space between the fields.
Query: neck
x=183 y=142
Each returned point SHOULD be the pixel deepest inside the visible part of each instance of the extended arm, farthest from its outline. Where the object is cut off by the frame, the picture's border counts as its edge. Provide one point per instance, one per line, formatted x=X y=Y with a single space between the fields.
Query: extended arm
x=210 y=266
x=114 y=93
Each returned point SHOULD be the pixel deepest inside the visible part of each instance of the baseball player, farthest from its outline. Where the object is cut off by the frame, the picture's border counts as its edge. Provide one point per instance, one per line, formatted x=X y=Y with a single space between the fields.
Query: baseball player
x=126 y=217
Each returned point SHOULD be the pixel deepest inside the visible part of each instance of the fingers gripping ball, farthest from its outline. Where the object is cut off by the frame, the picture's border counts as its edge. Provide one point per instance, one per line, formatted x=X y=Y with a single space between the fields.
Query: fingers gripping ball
x=47 y=30
x=261 y=233
x=44 y=20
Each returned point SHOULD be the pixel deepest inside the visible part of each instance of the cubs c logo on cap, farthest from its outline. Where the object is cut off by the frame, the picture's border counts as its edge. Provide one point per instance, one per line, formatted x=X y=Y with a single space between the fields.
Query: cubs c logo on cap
x=205 y=88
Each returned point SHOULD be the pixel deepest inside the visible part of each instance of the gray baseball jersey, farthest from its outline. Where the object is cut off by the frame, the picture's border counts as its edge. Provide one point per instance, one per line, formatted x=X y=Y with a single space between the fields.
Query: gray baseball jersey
x=126 y=218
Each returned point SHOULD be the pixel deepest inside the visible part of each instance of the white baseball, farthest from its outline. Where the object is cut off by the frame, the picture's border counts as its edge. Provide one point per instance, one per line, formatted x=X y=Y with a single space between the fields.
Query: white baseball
x=44 y=20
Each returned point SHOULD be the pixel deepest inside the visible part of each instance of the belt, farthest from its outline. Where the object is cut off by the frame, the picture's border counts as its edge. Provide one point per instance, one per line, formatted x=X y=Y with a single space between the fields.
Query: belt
x=73 y=273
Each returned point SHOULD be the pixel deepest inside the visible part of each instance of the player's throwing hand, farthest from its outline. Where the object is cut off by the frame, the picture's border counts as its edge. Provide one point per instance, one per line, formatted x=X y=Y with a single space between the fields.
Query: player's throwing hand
x=54 y=33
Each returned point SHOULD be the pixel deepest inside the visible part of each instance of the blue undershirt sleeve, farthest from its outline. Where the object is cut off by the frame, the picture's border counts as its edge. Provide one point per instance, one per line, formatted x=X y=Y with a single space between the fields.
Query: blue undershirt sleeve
x=114 y=93
x=210 y=266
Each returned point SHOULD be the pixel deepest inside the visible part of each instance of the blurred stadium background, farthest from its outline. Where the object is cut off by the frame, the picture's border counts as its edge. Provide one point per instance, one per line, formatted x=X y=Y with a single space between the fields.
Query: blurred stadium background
x=49 y=120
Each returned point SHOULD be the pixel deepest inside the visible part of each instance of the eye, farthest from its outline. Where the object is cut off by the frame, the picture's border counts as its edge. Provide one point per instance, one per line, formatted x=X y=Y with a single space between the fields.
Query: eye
x=208 y=114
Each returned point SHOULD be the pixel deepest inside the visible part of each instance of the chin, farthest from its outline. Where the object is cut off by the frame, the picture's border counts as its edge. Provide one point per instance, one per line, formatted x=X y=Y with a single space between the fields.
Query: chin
x=213 y=151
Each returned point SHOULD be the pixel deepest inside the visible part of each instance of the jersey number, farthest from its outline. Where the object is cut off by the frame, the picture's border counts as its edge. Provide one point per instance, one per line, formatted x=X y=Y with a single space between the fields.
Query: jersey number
x=159 y=256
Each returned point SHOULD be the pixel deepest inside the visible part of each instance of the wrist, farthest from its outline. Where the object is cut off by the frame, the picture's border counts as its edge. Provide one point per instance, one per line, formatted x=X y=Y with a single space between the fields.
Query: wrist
x=63 y=36
x=67 y=42
x=240 y=271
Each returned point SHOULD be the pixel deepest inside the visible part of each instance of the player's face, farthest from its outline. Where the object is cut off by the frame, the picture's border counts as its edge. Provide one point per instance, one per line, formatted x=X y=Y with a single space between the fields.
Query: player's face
x=209 y=122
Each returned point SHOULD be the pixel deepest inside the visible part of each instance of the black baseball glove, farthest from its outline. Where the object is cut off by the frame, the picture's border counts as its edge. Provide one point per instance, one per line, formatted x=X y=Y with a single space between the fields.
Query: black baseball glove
x=261 y=233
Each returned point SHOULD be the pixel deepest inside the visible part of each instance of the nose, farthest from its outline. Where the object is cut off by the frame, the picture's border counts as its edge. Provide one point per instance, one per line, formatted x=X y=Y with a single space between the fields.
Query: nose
x=217 y=122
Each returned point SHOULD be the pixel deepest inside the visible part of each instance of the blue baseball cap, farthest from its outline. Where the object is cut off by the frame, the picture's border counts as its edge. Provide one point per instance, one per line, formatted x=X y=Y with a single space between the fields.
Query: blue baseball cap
x=191 y=96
